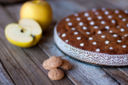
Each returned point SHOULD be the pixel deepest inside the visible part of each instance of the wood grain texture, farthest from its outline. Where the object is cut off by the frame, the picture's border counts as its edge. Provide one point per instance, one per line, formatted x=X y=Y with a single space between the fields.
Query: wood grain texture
x=4 y=77
x=54 y=48
x=117 y=74
x=118 y=77
x=62 y=8
x=82 y=73
x=20 y=67
x=77 y=78
x=123 y=4
x=85 y=6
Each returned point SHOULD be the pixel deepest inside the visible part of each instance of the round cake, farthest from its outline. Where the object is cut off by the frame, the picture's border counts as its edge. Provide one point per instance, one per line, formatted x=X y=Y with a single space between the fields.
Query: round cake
x=98 y=36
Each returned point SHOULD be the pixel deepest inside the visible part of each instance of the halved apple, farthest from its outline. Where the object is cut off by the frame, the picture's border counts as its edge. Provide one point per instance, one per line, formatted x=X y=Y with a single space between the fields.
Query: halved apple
x=25 y=34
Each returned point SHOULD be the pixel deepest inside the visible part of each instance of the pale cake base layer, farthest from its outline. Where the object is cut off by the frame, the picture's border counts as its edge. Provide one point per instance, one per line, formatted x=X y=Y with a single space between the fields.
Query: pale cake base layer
x=90 y=57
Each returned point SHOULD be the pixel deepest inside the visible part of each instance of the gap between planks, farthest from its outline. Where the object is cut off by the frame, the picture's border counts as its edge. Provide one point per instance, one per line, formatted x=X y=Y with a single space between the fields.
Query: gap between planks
x=18 y=63
x=107 y=70
x=4 y=76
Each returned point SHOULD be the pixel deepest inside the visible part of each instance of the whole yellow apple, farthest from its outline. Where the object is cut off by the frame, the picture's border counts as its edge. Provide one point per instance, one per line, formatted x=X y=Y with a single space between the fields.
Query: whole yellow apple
x=38 y=10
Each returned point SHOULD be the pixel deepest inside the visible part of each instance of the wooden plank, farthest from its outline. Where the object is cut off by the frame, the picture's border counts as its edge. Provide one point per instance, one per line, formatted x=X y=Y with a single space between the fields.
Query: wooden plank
x=120 y=3
x=4 y=78
x=13 y=11
x=38 y=56
x=77 y=76
x=22 y=69
x=82 y=73
x=117 y=74
x=61 y=10
x=110 y=71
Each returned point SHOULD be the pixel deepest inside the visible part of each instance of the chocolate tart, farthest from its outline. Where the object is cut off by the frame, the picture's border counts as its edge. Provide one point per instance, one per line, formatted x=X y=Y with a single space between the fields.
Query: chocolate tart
x=98 y=36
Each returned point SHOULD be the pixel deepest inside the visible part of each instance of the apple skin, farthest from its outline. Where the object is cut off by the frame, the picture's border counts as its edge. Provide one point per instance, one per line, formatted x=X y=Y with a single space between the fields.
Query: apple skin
x=38 y=10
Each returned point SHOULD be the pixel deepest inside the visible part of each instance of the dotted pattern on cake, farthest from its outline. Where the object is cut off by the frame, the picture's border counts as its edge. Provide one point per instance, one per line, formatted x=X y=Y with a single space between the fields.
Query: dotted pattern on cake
x=98 y=30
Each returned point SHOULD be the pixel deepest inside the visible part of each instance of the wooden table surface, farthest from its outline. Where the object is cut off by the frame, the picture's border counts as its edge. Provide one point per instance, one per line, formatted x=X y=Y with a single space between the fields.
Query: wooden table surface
x=20 y=66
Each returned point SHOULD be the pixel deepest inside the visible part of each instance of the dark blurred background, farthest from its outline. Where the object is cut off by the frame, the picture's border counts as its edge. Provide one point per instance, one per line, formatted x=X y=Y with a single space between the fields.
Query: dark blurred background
x=11 y=1
x=119 y=3
x=62 y=8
